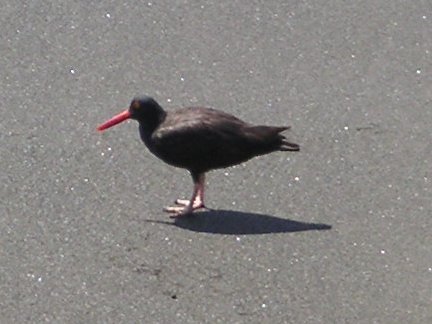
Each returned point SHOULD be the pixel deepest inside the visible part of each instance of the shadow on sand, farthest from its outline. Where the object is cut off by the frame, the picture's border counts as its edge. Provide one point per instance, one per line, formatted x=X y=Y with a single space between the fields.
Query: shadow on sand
x=240 y=223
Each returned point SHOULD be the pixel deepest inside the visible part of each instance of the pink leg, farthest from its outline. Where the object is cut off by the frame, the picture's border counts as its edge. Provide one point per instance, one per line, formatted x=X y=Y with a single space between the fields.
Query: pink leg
x=186 y=207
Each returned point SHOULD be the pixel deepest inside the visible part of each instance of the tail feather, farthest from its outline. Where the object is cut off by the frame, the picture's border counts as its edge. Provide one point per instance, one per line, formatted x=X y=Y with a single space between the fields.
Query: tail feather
x=284 y=145
x=270 y=139
x=289 y=146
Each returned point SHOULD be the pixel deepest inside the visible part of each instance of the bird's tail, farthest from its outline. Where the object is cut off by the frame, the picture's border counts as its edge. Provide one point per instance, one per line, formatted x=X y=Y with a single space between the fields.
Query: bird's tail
x=283 y=144
x=270 y=139
x=289 y=146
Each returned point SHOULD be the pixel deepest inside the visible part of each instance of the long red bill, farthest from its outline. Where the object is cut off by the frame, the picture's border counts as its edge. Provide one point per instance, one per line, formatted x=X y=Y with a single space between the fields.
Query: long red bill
x=115 y=120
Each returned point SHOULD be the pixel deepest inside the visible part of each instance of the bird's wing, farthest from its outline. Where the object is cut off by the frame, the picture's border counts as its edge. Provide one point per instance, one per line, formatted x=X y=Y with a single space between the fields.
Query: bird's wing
x=200 y=139
x=205 y=136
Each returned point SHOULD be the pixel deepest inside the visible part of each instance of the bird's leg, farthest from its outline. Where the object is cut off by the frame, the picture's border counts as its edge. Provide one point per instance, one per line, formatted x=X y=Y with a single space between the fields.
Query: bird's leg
x=186 y=207
x=197 y=196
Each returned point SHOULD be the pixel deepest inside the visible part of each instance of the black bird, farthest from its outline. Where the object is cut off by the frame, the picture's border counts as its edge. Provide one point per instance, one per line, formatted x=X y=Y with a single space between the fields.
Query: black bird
x=199 y=140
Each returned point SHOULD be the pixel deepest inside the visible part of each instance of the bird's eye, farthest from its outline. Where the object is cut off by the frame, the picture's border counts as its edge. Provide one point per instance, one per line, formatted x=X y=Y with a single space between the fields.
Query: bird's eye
x=135 y=105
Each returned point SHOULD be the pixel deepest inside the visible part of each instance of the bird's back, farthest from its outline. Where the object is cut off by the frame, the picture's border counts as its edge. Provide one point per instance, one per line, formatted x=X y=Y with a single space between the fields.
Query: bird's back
x=201 y=139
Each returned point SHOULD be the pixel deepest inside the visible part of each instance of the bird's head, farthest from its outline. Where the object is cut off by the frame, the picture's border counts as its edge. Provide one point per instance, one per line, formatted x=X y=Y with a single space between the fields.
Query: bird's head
x=144 y=109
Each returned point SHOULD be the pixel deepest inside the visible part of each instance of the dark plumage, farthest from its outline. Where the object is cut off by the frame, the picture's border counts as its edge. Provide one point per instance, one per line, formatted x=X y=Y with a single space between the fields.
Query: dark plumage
x=199 y=140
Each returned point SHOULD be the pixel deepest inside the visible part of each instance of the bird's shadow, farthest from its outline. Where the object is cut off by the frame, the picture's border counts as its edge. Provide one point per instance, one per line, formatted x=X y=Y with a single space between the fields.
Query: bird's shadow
x=239 y=223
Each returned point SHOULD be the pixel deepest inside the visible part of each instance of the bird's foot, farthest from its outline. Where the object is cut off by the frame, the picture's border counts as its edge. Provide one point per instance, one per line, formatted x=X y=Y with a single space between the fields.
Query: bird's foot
x=183 y=208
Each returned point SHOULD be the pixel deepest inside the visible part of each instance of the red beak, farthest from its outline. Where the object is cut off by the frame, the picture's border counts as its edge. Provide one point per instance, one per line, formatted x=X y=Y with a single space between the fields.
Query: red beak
x=115 y=120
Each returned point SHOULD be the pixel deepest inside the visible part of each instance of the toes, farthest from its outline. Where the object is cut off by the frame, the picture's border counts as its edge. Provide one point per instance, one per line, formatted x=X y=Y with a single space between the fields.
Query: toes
x=177 y=211
x=173 y=209
x=183 y=208
x=182 y=202
x=185 y=203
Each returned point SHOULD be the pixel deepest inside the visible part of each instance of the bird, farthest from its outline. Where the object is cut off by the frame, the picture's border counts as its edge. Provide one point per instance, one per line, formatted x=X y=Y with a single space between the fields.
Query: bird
x=199 y=140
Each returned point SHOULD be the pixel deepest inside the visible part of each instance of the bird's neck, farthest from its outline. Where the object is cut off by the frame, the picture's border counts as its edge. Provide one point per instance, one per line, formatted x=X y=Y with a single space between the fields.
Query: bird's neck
x=145 y=134
x=149 y=125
